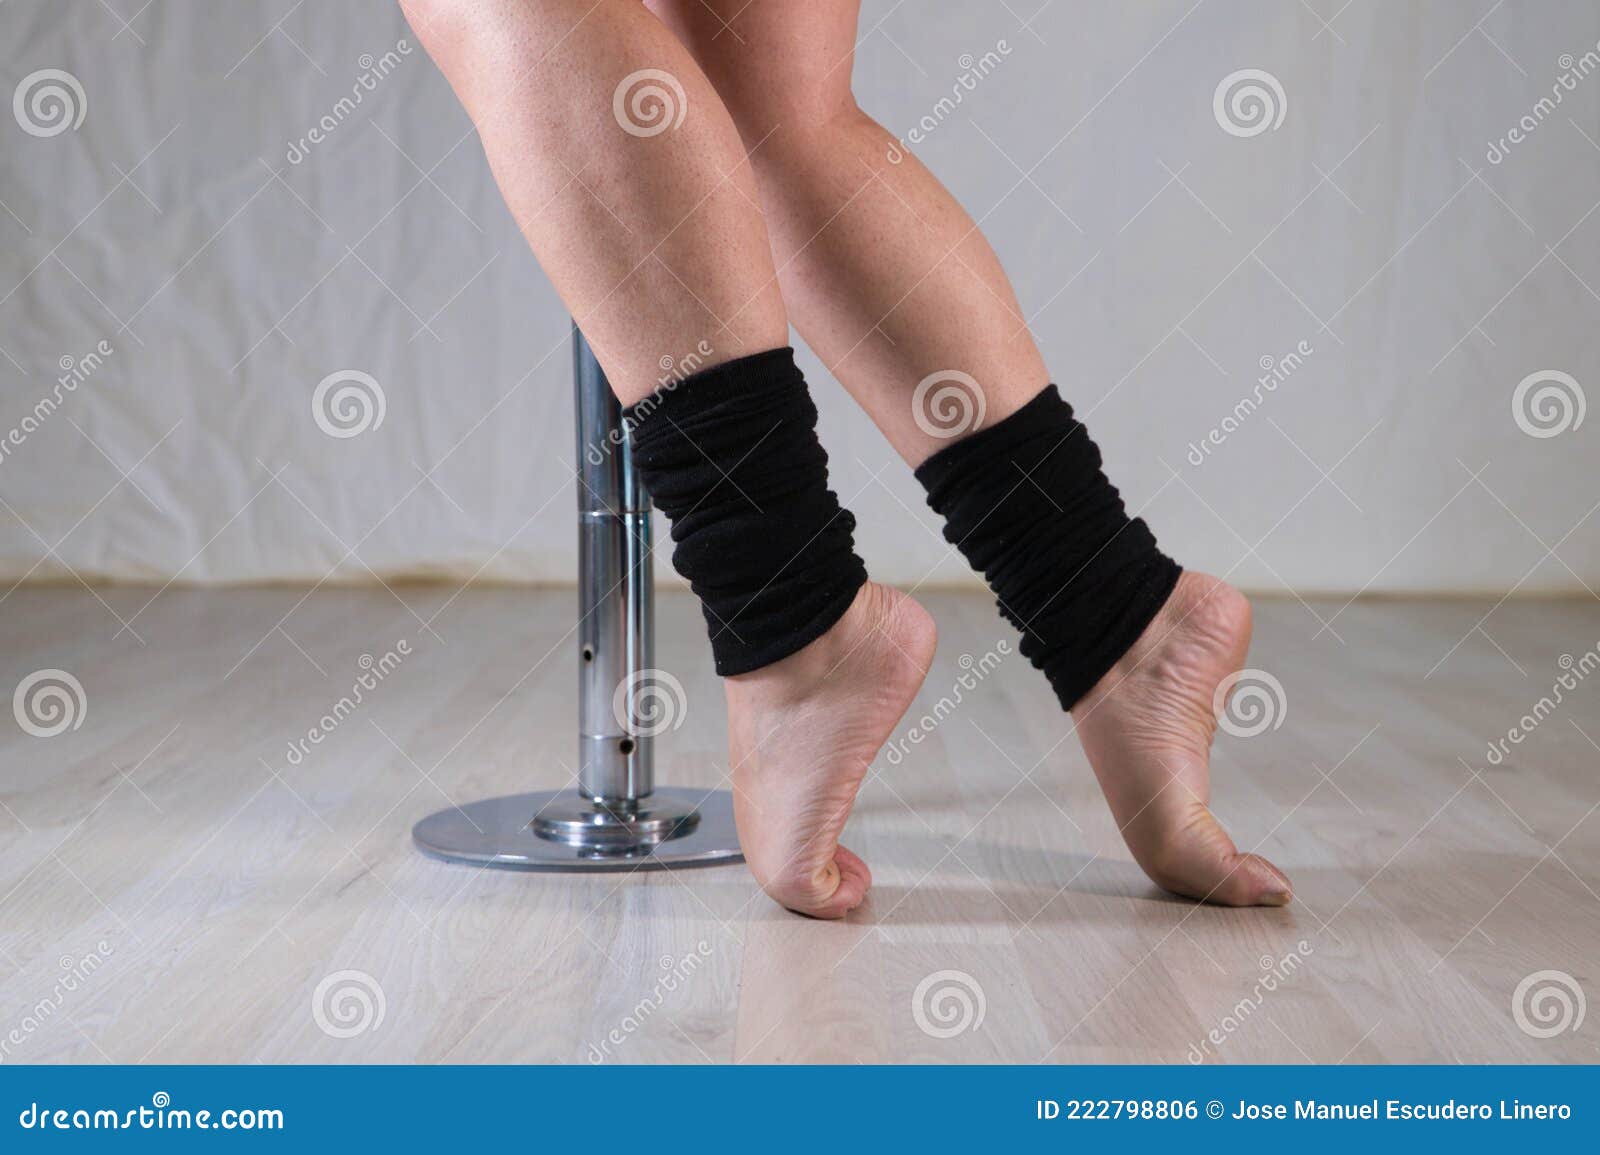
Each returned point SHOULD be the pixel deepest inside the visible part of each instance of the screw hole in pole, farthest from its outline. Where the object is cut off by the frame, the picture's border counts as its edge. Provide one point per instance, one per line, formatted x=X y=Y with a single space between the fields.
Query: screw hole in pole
x=626 y=745
x=588 y=653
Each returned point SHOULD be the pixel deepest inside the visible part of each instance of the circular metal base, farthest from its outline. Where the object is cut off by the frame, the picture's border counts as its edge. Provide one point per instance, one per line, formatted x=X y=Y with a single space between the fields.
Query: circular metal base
x=559 y=830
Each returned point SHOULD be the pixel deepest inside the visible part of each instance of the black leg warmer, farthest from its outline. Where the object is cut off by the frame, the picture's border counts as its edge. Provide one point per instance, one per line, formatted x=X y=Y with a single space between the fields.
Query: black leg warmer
x=1026 y=503
x=731 y=455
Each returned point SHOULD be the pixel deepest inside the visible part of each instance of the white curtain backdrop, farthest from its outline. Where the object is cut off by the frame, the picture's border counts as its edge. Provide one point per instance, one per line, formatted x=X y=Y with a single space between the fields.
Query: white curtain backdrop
x=181 y=268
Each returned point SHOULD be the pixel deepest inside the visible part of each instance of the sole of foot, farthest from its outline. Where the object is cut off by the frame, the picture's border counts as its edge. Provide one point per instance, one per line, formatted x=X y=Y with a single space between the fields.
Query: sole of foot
x=1147 y=727
x=802 y=733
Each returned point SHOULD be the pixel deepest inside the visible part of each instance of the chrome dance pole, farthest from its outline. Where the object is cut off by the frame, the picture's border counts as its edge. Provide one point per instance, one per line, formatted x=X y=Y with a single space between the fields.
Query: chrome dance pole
x=617 y=818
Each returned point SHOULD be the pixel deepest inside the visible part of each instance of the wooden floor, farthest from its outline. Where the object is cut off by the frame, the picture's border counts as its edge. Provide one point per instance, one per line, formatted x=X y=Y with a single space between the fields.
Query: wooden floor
x=176 y=886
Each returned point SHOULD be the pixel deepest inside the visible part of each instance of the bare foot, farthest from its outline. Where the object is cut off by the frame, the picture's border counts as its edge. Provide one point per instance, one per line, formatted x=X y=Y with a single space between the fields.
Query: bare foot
x=801 y=734
x=1147 y=728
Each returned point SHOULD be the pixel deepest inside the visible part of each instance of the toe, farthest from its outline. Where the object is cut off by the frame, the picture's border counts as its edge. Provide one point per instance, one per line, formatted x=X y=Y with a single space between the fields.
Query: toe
x=1200 y=861
x=855 y=879
x=833 y=892
x=1249 y=880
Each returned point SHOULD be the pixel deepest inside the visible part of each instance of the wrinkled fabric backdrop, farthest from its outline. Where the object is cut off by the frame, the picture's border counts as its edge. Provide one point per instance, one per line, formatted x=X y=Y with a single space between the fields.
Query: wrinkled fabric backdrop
x=195 y=268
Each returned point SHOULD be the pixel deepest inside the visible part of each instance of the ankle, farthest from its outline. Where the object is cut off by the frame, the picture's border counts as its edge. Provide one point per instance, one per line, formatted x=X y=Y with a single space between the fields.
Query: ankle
x=817 y=660
x=1203 y=617
x=883 y=629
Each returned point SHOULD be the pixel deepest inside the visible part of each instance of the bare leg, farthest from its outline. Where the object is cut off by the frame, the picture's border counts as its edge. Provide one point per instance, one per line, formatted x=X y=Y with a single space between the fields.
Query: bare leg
x=656 y=244
x=884 y=274
x=889 y=281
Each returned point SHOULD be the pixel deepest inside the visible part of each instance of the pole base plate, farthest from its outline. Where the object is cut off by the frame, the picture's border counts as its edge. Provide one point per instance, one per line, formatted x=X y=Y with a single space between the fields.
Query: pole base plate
x=561 y=830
